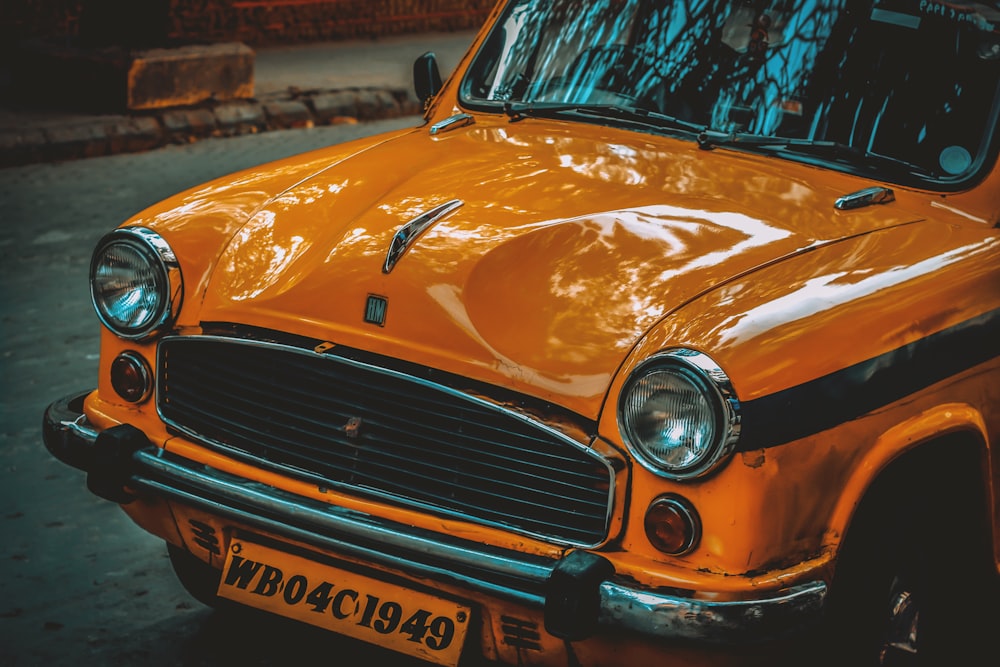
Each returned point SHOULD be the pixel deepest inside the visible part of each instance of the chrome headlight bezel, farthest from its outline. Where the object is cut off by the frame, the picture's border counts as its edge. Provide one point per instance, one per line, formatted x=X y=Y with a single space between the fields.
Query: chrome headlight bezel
x=136 y=294
x=715 y=406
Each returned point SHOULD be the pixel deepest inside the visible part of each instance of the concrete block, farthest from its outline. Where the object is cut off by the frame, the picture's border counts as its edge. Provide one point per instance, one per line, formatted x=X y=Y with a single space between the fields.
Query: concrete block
x=240 y=117
x=159 y=78
x=116 y=79
x=328 y=107
x=408 y=102
x=198 y=122
x=285 y=114
x=135 y=134
x=372 y=104
x=78 y=141
x=21 y=146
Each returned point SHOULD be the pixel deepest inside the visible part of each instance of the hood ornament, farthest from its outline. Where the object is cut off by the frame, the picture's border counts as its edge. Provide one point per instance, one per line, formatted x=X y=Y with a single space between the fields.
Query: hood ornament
x=409 y=232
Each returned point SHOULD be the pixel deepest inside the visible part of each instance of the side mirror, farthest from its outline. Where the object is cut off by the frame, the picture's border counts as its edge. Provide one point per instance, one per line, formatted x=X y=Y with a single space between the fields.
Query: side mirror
x=426 y=77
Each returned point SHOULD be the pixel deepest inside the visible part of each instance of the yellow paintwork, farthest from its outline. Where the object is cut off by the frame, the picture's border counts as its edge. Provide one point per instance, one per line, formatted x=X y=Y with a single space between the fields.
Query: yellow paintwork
x=481 y=286
x=578 y=252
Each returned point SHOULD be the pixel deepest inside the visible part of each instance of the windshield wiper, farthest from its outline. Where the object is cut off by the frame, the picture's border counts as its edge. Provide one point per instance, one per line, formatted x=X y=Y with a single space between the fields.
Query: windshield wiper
x=632 y=115
x=833 y=150
x=709 y=139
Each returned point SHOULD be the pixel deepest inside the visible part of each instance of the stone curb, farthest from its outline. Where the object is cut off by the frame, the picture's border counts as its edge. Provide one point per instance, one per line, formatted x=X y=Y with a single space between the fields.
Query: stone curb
x=141 y=131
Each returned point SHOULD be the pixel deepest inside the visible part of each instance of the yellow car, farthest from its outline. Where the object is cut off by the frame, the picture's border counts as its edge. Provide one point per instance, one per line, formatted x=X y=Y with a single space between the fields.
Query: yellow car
x=671 y=336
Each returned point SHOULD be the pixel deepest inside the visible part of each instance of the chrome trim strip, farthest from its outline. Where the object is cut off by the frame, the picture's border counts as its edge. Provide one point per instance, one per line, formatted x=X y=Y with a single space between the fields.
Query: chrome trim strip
x=613 y=466
x=453 y=122
x=737 y=621
x=408 y=233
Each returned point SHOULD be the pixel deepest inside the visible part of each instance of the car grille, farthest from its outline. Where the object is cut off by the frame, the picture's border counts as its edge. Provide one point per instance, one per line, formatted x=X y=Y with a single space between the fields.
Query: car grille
x=351 y=425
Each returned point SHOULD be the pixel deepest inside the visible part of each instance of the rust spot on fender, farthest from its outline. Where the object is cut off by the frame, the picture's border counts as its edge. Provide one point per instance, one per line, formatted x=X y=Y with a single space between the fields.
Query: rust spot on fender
x=753 y=459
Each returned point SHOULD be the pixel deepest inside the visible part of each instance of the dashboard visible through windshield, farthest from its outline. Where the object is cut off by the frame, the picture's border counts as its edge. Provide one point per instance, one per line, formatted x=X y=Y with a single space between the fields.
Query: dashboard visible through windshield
x=905 y=90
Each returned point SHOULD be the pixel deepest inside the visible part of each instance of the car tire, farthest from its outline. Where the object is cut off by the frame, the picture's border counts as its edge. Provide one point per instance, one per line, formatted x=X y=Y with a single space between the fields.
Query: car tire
x=912 y=574
x=197 y=577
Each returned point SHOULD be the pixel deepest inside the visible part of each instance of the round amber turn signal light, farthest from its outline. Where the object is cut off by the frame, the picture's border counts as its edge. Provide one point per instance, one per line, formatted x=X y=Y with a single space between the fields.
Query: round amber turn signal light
x=672 y=525
x=131 y=377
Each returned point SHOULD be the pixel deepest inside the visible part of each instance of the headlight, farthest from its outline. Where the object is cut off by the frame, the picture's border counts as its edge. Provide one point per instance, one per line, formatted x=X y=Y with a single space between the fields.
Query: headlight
x=135 y=283
x=678 y=414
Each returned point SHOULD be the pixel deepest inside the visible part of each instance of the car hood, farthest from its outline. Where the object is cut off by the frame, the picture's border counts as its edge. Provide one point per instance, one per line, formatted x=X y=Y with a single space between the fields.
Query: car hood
x=565 y=250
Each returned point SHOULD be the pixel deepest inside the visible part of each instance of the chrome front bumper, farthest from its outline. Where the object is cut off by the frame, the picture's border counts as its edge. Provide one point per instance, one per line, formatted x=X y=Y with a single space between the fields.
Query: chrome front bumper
x=578 y=592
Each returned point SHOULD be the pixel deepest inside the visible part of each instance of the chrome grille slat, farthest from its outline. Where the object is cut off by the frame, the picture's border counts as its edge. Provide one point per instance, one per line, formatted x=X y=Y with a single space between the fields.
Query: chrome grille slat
x=420 y=444
x=419 y=421
x=303 y=448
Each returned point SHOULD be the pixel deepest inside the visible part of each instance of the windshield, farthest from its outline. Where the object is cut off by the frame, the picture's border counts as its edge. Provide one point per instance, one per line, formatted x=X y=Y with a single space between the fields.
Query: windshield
x=905 y=90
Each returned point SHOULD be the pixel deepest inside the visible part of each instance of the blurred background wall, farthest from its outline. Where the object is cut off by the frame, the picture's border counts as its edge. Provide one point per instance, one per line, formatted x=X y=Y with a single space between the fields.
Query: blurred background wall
x=151 y=23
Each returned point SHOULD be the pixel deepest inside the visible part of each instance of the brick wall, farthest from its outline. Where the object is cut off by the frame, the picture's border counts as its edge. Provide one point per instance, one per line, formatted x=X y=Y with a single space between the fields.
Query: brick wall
x=255 y=22
x=20 y=19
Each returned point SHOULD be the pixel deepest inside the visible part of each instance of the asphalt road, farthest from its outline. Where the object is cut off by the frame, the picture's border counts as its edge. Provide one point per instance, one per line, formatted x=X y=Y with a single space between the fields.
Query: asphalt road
x=80 y=584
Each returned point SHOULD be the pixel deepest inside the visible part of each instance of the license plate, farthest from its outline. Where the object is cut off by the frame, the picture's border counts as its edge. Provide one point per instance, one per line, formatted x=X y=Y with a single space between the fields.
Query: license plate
x=397 y=618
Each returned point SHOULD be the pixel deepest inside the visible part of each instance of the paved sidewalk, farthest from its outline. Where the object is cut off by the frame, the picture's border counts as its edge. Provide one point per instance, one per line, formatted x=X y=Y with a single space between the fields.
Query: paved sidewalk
x=294 y=86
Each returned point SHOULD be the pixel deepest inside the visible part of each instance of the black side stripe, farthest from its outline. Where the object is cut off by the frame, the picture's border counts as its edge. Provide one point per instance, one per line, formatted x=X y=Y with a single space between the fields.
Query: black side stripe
x=854 y=391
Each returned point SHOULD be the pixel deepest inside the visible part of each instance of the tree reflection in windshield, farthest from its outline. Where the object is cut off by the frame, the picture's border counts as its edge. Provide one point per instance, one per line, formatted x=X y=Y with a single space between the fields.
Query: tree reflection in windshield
x=911 y=80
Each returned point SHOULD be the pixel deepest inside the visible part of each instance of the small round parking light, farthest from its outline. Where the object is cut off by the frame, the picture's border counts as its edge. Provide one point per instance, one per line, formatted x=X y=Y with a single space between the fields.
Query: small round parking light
x=672 y=525
x=131 y=377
